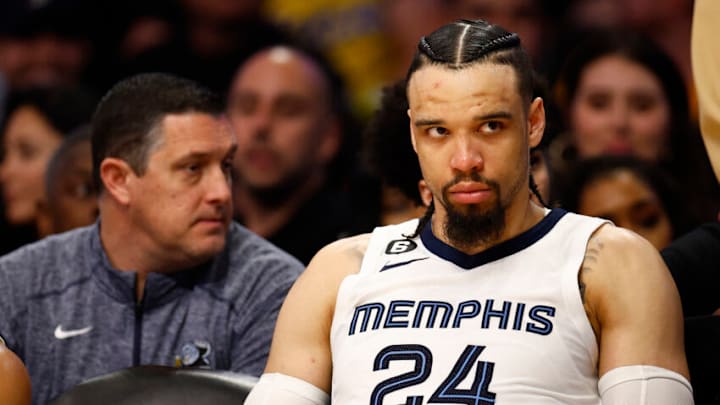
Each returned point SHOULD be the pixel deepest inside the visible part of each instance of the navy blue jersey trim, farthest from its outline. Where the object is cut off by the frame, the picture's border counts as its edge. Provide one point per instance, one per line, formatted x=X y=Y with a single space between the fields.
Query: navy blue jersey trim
x=496 y=252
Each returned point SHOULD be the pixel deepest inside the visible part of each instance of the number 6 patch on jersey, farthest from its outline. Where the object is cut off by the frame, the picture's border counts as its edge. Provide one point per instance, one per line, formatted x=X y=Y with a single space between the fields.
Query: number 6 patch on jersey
x=397 y=246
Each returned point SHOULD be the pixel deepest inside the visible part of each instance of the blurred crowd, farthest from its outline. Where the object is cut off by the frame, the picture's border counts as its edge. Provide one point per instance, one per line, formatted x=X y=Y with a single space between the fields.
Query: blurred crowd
x=315 y=93
x=622 y=140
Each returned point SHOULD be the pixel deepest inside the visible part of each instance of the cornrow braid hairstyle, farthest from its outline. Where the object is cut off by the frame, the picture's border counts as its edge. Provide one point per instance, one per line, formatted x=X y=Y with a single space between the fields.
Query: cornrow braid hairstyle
x=424 y=220
x=464 y=42
x=535 y=191
x=427 y=49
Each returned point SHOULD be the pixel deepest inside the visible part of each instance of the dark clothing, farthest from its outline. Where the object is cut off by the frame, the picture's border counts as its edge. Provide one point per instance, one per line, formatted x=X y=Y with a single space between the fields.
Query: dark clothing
x=323 y=219
x=13 y=237
x=702 y=347
x=694 y=261
x=71 y=316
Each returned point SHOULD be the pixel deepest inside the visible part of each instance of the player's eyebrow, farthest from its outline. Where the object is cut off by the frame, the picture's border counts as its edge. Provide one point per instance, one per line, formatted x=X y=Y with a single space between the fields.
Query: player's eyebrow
x=426 y=122
x=494 y=115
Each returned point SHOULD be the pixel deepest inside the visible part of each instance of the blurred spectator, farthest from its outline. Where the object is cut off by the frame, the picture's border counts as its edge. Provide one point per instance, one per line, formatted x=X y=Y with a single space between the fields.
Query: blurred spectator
x=622 y=95
x=290 y=116
x=633 y=194
x=349 y=34
x=370 y=42
x=208 y=40
x=38 y=119
x=70 y=195
x=667 y=22
x=42 y=44
x=389 y=156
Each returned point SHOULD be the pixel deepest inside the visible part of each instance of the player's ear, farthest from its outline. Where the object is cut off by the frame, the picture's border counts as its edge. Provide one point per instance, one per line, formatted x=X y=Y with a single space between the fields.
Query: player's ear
x=536 y=122
x=116 y=175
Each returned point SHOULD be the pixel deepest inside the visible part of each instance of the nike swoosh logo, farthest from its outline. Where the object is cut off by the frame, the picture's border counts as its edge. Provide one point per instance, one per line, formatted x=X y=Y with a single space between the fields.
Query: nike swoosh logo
x=64 y=334
x=393 y=265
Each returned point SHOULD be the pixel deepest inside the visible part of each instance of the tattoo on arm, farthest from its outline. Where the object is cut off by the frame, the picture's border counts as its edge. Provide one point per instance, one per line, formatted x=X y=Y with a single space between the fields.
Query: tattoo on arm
x=591 y=257
x=582 y=287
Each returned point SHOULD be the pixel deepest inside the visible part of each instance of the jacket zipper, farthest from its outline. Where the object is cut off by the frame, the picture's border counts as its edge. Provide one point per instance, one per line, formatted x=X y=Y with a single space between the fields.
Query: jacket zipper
x=137 y=339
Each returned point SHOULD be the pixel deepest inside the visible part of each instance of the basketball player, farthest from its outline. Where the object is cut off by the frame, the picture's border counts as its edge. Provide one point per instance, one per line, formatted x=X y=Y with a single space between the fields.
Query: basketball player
x=491 y=298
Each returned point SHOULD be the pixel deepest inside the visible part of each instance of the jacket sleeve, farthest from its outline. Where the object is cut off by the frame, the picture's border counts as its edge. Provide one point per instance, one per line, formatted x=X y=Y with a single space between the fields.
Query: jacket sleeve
x=256 y=316
x=12 y=304
x=694 y=262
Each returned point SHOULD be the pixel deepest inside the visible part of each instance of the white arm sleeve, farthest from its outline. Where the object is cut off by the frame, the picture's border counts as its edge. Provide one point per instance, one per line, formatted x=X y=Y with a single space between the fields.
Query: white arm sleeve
x=644 y=385
x=275 y=388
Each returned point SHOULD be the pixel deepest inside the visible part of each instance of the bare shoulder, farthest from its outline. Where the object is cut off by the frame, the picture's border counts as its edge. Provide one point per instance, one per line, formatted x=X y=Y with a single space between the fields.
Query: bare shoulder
x=615 y=257
x=618 y=250
x=331 y=265
x=343 y=256
x=622 y=270
x=352 y=247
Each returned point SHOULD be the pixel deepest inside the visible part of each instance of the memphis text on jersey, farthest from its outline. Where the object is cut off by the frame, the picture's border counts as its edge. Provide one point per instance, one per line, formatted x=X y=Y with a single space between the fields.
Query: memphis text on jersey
x=537 y=319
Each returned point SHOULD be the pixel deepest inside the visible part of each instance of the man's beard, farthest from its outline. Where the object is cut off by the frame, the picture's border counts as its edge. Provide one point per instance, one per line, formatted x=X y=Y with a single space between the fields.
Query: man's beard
x=477 y=225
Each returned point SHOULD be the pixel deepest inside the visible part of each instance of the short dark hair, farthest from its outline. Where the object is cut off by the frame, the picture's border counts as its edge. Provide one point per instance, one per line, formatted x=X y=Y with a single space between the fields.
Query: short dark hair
x=464 y=43
x=62 y=155
x=126 y=117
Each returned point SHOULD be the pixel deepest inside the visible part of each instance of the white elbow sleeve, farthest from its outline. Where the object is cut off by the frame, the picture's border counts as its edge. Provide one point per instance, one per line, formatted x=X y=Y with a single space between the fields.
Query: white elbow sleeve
x=644 y=385
x=275 y=388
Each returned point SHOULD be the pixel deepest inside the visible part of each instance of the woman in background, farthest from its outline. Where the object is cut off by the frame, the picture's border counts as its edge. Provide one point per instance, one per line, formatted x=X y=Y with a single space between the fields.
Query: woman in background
x=36 y=122
x=621 y=95
x=633 y=194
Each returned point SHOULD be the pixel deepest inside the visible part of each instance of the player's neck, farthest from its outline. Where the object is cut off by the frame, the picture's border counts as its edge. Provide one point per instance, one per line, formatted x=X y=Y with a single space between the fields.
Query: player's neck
x=518 y=219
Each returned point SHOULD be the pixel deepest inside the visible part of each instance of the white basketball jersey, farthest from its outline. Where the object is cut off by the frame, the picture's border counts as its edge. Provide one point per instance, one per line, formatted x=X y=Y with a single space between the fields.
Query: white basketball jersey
x=423 y=323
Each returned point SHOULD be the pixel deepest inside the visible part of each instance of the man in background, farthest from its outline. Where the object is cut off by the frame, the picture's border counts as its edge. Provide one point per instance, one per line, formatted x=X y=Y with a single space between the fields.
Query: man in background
x=164 y=277
x=288 y=110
